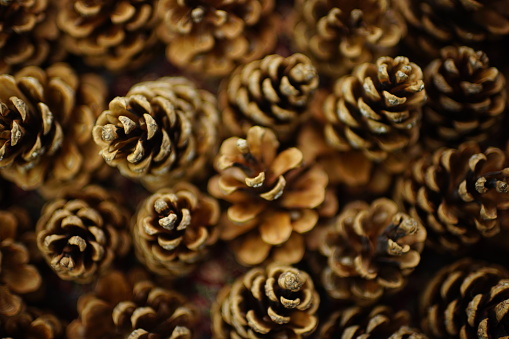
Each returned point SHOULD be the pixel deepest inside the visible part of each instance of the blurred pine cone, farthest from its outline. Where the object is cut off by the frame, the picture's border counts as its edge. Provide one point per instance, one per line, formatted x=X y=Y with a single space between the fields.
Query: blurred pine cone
x=339 y=35
x=370 y=323
x=81 y=234
x=174 y=229
x=377 y=109
x=31 y=323
x=118 y=35
x=466 y=98
x=46 y=119
x=274 y=302
x=274 y=197
x=213 y=37
x=460 y=195
x=122 y=306
x=271 y=92
x=160 y=132
x=467 y=299
x=370 y=250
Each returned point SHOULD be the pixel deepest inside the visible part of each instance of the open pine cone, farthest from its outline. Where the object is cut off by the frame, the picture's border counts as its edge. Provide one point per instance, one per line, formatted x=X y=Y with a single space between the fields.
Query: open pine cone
x=82 y=233
x=370 y=250
x=213 y=37
x=339 y=35
x=274 y=197
x=174 y=229
x=274 y=302
x=460 y=195
x=467 y=299
x=466 y=98
x=160 y=132
x=272 y=92
x=31 y=323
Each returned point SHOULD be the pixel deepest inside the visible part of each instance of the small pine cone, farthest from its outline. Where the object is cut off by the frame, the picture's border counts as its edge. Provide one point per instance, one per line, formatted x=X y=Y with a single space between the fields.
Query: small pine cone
x=46 y=119
x=174 y=229
x=370 y=250
x=467 y=299
x=460 y=195
x=466 y=98
x=272 y=92
x=81 y=234
x=376 y=322
x=160 y=132
x=274 y=197
x=341 y=35
x=274 y=302
x=31 y=323
x=117 y=35
x=377 y=109
x=213 y=37
x=17 y=276
x=122 y=308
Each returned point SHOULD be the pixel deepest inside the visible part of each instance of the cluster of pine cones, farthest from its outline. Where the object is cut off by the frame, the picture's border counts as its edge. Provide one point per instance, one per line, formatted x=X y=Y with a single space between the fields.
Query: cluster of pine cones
x=254 y=169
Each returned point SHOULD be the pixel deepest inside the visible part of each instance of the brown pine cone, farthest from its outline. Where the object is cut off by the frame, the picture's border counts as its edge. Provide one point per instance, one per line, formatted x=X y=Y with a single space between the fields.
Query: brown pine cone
x=377 y=109
x=121 y=307
x=31 y=323
x=274 y=302
x=460 y=195
x=339 y=35
x=274 y=197
x=272 y=92
x=174 y=229
x=17 y=276
x=46 y=119
x=81 y=234
x=376 y=322
x=213 y=37
x=370 y=250
x=118 y=35
x=466 y=98
x=467 y=299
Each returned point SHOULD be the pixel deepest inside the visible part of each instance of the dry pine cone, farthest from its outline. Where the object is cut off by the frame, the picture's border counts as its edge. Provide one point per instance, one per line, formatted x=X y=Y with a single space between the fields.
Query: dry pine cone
x=31 y=323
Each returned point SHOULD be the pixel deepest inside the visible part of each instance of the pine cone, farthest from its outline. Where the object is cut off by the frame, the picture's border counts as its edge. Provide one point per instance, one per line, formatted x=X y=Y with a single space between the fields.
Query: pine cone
x=276 y=302
x=460 y=195
x=17 y=276
x=120 y=307
x=46 y=119
x=339 y=35
x=174 y=229
x=160 y=132
x=467 y=299
x=213 y=37
x=370 y=250
x=273 y=92
x=118 y=35
x=376 y=322
x=31 y=323
x=377 y=109
x=274 y=197
x=81 y=234
x=466 y=98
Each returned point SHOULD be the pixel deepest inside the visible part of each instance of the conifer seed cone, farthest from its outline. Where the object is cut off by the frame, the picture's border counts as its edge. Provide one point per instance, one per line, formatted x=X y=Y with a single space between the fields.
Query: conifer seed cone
x=31 y=323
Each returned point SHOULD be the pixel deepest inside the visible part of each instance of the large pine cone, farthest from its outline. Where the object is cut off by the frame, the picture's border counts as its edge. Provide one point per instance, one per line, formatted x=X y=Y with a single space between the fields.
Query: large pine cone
x=174 y=229
x=213 y=37
x=115 y=34
x=370 y=323
x=273 y=92
x=31 y=323
x=370 y=250
x=276 y=302
x=81 y=234
x=161 y=131
x=339 y=35
x=467 y=299
x=274 y=197
x=466 y=98
x=460 y=195
x=127 y=307
x=377 y=109
x=46 y=119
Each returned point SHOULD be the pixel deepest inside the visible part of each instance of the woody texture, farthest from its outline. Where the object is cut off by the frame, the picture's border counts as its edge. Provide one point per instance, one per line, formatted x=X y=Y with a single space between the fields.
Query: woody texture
x=32 y=322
